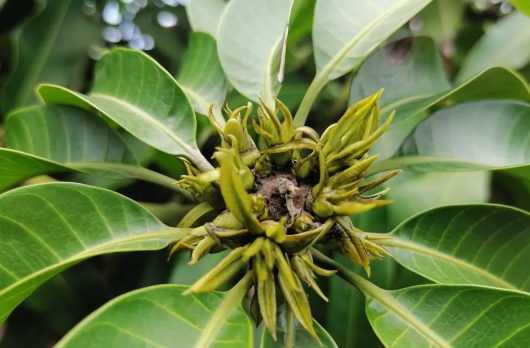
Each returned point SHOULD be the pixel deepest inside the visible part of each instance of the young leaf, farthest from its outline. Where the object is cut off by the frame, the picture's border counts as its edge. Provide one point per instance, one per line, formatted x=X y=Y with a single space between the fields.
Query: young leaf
x=493 y=48
x=300 y=337
x=250 y=39
x=205 y=15
x=498 y=126
x=345 y=32
x=467 y=244
x=174 y=320
x=46 y=139
x=201 y=75
x=54 y=57
x=134 y=91
x=62 y=224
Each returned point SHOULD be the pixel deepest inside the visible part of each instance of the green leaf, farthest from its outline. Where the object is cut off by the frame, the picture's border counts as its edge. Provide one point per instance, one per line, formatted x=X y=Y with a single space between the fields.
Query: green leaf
x=441 y=20
x=143 y=153
x=346 y=32
x=522 y=5
x=423 y=191
x=62 y=224
x=443 y=316
x=450 y=317
x=301 y=339
x=160 y=316
x=201 y=75
x=495 y=49
x=471 y=136
x=134 y=91
x=466 y=244
x=411 y=72
x=46 y=139
x=250 y=38
x=205 y=15
x=60 y=56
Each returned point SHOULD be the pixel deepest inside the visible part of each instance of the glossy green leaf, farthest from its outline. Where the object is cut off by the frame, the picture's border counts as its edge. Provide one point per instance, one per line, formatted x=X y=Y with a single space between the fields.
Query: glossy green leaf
x=162 y=317
x=137 y=93
x=506 y=44
x=249 y=40
x=450 y=317
x=62 y=224
x=205 y=15
x=441 y=20
x=411 y=72
x=59 y=57
x=46 y=139
x=301 y=338
x=423 y=191
x=466 y=244
x=346 y=32
x=143 y=153
x=443 y=316
x=470 y=136
x=201 y=75
x=522 y=5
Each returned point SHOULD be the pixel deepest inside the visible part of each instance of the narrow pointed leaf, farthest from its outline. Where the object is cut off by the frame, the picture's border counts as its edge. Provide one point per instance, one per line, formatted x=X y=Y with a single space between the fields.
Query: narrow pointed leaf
x=62 y=224
x=134 y=91
x=235 y=196
x=205 y=15
x=161 y=316
x=448 y=140
x=493 y=48
x=249 y=40
x=466 y=244
x=45 y=139
x=302 y=339
x=201 y=75
x=450 y=317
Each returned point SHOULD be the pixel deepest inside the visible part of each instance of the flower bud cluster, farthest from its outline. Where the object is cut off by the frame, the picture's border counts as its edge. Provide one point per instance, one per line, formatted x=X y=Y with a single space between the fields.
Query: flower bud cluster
x=280 y=199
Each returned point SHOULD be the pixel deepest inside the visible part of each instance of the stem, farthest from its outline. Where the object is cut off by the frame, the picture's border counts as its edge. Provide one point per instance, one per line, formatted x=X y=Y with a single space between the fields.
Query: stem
x=231 y=300
x=157 y=178
x=169 y=213
x=366 y=287
x=202 y=163
x=309 y=98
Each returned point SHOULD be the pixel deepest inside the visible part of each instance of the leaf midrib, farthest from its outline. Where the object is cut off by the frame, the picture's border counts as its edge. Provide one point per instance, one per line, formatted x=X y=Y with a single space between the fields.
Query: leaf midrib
x=400 y=243
x=189 y=150
x=385 y=299
x=169 y=234
x=337 y=59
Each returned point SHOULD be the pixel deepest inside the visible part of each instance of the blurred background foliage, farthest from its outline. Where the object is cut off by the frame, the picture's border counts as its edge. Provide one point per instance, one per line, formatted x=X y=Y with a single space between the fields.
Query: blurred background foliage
x=59 y=41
